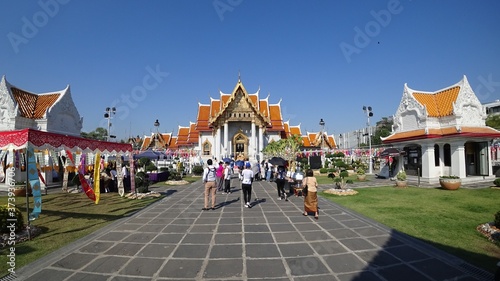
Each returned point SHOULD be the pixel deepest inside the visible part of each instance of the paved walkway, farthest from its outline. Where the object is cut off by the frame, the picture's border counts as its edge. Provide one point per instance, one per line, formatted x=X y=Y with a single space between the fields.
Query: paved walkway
x=174 y=240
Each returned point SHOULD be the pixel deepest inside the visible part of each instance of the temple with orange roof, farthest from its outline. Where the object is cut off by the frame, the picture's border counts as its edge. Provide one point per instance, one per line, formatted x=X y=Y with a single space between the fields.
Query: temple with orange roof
x=51 y=112
x=442 y=133
x=236 y=125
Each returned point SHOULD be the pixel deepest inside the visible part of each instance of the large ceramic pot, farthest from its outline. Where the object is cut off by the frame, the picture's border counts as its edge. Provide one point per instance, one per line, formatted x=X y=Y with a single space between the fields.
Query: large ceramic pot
x=21 y=191
x=450 y=184
x=361 y=177
x=401 y=184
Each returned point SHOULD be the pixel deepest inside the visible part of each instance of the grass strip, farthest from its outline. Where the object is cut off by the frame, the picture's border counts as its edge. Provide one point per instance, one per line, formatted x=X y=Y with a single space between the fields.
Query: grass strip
x=446 y=219
x=65 y=218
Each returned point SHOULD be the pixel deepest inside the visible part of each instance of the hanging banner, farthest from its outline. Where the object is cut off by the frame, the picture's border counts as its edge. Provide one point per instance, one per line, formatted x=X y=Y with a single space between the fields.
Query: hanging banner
x=34 y=183
x=97 y=177
x=132 y=174
x=119 y=173
x=65 y=174
x=85 y=185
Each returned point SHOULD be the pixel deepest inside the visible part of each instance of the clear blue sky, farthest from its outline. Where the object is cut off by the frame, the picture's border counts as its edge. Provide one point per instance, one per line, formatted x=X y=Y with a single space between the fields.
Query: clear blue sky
x=325 y=59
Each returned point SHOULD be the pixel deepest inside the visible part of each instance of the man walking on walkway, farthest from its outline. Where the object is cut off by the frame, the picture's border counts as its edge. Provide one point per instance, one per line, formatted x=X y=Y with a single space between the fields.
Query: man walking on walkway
x=209 y=175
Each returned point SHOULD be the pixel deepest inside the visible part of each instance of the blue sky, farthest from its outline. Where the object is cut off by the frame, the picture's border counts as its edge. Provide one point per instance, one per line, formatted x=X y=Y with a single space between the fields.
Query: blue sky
x=324 y=59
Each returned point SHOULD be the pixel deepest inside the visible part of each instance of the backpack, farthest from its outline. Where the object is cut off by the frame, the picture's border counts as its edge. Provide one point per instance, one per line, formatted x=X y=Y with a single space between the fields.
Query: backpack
x=281 y=175
x=211 y=173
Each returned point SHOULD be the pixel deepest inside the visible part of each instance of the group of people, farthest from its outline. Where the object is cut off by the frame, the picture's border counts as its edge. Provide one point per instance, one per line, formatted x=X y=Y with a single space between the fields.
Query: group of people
x=219 y=178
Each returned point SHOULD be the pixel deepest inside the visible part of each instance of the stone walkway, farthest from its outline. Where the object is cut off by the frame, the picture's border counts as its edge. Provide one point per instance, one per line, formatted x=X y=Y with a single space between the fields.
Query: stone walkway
x=174 y=240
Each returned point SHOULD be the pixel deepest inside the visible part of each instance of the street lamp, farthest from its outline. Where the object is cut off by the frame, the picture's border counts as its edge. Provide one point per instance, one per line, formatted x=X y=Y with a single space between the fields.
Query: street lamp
x=108 y=114
x=369 y=113
x=157 y=124
x=341 y=141
x=322 y=124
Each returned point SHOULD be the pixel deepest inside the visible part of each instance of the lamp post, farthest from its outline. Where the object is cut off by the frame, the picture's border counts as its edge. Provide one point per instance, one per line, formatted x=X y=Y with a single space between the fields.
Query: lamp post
x=341 y=142
x=157 y=124
x=108 y=114
x=322 y=124
x=369 y=113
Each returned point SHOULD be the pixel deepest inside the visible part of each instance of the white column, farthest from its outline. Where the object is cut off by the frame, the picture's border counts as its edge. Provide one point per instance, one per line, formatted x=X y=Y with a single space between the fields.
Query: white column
x=217 y=143
x=458 y=160
x=490 y=164
x=226 y=143
x=253 y=148
x=261 y=144
x=428 y=169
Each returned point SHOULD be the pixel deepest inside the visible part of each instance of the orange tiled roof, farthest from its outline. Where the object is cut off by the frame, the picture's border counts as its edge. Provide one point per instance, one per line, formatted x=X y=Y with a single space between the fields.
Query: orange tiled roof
x=295 y=130
x=264 y=107
x=438 y=104
x=193 y=134
x=146 y=143
x=33 y=106
x=438 y=133
x=275 y=116
x=202 y=119
x=214 y=108
x=182 y=136
x=306 y=141
x=331 y=141
x=173 y=143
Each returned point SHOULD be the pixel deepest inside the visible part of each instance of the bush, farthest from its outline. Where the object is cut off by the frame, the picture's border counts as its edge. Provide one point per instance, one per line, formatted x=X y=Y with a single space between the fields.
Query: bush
x=142 y=182
x=497 y=182
x=151 y=167
x=323 y=170
x=197 y=170
x=361 y=171
x=5 y=215
x=401 y=176
x=497 y=219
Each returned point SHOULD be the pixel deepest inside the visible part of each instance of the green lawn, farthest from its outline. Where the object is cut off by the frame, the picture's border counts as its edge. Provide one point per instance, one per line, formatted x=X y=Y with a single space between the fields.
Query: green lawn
x=67 y=217
x=445 y=219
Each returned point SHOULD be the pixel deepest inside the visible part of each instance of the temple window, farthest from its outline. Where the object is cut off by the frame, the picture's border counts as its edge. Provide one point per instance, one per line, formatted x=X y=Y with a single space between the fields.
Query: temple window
x=447 y=155
x=207 y=148
x=436 y=155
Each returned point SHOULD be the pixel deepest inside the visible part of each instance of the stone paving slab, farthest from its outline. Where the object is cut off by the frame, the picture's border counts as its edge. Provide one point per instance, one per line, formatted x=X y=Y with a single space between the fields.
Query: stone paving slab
x=174 y=239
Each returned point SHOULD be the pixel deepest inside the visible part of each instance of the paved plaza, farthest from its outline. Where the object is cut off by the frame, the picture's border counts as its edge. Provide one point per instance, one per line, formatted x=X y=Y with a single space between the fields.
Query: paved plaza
x=174 y=239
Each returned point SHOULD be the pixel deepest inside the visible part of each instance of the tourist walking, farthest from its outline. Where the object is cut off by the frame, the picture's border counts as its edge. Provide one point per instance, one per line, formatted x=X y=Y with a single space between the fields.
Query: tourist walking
x=219 y=180
x=311 y=197
x=209 y=176
x=280 y=183
x=246 y=184
x=227 y=178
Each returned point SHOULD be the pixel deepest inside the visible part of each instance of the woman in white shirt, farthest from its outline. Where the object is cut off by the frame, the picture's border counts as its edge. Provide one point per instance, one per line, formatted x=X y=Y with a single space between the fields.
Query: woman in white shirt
x=246 y=184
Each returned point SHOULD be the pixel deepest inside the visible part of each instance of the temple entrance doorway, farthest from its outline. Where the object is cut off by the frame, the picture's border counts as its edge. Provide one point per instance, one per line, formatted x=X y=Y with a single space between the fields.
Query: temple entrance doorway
x=240 y=146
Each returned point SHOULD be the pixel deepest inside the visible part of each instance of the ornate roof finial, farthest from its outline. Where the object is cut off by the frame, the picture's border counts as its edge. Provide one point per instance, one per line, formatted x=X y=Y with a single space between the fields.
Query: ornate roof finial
x=239 y=76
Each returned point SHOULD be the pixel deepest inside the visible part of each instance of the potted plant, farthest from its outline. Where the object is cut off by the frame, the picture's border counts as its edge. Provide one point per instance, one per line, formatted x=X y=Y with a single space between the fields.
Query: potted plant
x=450 y=182
x=20 y=189
x=401 y=179
x=361 y=174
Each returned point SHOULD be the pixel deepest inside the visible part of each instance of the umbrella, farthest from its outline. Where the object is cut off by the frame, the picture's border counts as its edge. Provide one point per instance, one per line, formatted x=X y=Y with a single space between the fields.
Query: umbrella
x=277 y=161
x=239 y=163
x=148 y=154
x=390 y=152
x=227 y=160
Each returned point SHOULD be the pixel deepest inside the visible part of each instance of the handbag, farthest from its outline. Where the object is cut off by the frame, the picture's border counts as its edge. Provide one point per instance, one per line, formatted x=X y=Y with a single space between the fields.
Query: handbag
x=304 y=190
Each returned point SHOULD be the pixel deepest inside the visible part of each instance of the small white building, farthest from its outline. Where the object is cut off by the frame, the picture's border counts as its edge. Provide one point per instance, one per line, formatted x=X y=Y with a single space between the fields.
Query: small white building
x=442 y=133
x=53 y=112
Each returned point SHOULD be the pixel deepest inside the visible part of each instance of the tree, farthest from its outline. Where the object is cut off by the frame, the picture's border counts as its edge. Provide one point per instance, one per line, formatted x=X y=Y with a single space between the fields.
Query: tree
x=286 y=148
x=98 y=134
x=382 y=129
x=493 y=120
